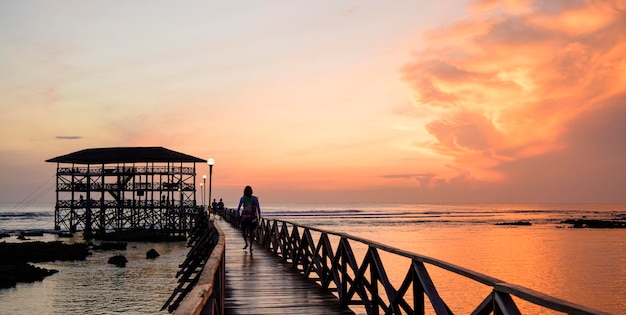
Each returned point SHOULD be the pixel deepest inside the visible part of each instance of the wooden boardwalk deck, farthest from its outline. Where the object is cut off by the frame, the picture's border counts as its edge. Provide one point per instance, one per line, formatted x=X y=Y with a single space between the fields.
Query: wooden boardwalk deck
x=260 y=283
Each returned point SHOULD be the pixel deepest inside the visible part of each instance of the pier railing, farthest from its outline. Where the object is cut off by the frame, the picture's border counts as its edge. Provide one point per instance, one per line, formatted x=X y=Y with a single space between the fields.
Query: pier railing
x=330 y=261
x=202 y=274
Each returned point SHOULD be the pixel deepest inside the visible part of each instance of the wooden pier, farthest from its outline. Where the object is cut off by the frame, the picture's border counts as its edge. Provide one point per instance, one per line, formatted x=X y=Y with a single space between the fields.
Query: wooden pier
x=260 y=283
x=233 y=280
x=296 y=269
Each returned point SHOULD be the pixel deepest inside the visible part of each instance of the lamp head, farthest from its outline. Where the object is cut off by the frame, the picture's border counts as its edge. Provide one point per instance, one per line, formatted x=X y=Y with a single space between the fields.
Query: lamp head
x=211 y=161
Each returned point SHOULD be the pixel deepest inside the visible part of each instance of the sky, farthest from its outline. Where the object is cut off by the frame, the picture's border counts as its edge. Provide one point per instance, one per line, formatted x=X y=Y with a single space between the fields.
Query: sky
x=451 y=101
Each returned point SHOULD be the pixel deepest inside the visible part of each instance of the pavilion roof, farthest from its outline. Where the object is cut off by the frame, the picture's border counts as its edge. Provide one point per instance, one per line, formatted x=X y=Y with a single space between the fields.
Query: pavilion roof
x=125 y=155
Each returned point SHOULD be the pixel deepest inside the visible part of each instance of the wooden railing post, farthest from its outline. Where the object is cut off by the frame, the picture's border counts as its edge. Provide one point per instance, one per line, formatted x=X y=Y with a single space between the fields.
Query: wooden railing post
x=343 y=293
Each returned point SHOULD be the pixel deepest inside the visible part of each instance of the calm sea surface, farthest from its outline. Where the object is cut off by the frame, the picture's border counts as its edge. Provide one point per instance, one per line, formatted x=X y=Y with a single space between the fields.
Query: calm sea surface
x=584 y=266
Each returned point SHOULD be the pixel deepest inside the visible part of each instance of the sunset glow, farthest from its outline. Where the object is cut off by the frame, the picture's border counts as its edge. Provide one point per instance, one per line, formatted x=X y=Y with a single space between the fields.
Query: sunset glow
x=459 y=101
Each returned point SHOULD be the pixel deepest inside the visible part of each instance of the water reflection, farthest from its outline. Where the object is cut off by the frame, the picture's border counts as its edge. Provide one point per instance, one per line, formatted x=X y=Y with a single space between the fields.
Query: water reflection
x=94 y=286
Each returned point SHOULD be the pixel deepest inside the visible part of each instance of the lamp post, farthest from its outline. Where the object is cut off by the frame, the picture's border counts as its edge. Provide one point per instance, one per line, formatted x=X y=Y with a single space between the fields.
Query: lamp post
x=203 y=191
x=202 y=194
x=210 y=161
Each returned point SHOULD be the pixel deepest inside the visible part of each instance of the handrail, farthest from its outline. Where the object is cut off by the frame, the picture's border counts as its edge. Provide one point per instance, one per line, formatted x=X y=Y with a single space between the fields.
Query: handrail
x=207 y=296
x=359 y=283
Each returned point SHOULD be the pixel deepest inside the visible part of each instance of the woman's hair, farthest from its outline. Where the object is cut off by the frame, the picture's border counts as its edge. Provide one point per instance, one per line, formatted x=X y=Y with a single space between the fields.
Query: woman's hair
x=247 y=192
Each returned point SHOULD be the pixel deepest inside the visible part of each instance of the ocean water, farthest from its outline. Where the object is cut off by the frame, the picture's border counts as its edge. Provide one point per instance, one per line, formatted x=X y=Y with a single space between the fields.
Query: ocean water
x=584 y=266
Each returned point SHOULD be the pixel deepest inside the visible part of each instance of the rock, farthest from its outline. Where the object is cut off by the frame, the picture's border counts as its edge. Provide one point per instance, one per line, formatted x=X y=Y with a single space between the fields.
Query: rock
x=14 y=258
x=139 y=235
x=596 y=224
x=6 y=280
x=10 y=275
x=32 y=233
x=118 y=260
x=515 y=223
x=152 y=254
x=65 y=235
x=110 y=246
x=13 y=253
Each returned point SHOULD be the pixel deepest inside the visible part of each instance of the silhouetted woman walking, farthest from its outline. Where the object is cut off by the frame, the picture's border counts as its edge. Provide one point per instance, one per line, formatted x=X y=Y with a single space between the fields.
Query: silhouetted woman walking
x=250 y=215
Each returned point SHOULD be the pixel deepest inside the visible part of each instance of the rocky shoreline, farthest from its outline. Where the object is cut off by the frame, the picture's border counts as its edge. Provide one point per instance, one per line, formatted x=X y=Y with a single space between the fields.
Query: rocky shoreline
x=15 y=259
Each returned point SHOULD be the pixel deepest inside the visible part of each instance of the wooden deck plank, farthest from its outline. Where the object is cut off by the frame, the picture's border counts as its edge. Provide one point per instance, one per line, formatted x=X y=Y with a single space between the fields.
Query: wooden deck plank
x=259 y=283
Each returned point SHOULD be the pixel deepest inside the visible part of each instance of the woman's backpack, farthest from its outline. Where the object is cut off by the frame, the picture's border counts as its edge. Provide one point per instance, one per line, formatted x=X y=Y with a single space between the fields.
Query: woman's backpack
x=249 y=210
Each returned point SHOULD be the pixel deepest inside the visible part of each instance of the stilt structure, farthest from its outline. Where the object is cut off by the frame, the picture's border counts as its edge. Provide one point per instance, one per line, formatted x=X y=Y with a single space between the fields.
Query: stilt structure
x=125 y=188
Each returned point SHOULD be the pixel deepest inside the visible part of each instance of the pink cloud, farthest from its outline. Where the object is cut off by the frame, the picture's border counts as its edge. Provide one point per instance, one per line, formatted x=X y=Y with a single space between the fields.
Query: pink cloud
x=509 y=81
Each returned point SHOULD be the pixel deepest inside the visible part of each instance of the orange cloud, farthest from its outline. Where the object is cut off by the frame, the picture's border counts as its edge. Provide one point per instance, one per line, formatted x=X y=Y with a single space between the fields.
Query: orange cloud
x=507 y=82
